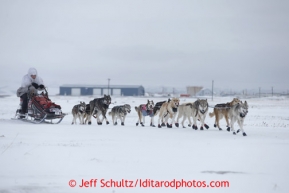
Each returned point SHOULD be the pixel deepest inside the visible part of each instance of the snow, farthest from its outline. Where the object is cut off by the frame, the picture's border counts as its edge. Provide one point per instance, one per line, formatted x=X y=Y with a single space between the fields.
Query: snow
x=44 y=158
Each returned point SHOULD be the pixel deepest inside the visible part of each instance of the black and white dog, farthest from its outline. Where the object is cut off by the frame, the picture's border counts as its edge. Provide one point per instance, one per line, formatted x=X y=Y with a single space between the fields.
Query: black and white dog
x=78 y=111
x=98 y=106
x=119 y=112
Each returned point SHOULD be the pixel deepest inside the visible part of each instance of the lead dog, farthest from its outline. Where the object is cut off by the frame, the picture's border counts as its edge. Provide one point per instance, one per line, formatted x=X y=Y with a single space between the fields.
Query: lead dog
x=78 y=111
x=168 y=110
x=238 y=113
x=144 y=110
x=221 y=110
x=119 y=112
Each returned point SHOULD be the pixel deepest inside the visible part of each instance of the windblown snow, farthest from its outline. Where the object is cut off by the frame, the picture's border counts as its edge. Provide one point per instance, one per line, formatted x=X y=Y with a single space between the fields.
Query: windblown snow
x=119 y=159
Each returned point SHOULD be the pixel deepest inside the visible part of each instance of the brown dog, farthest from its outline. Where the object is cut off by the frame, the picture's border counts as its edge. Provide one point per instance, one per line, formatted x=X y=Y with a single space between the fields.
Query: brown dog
x=221 y=110
x=169 y=110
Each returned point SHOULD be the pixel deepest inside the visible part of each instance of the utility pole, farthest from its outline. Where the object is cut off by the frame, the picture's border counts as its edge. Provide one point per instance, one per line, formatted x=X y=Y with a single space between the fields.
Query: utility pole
x=108 y=86
x=212 y=90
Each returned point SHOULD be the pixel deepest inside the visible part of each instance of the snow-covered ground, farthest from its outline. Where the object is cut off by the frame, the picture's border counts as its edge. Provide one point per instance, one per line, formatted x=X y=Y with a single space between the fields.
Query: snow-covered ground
x=44 y=158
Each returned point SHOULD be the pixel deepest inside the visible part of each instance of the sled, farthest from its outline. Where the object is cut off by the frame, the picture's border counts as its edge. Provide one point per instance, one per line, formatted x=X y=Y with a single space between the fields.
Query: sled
x=40 y=110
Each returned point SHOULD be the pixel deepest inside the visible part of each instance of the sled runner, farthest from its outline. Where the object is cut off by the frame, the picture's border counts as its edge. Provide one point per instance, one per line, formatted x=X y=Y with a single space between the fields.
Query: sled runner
x=40 y=110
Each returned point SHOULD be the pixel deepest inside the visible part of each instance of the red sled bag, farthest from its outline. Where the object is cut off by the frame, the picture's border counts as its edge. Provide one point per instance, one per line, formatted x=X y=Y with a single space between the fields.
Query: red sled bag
x=45 y=102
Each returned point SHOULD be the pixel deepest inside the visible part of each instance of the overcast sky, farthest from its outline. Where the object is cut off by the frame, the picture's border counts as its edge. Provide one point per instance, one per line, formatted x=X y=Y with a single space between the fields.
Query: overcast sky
x=239 y=44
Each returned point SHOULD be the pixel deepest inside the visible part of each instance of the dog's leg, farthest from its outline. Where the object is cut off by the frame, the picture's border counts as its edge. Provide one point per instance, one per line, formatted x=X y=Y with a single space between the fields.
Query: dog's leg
x=104 y=116
x=160 y=118
x=152 y=121
x=201 y=119
x=174 y=118
x=123 y=120
x=143 y=121
x=91 y=113
x=232 y=125
x=167 y=121
x=114 y=118
x=183 y=121
x=178 y=118
x=227 y=120
x=218 y=120
x=195 y=123
x=73 y=120
x=241 y=123
x=190 y=121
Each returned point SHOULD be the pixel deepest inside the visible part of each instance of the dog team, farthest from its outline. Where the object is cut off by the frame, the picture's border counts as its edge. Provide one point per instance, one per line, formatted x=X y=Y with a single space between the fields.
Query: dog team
x=235 y=111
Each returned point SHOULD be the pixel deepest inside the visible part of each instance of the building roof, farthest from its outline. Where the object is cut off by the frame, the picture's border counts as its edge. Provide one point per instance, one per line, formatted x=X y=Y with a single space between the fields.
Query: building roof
x=100 y=86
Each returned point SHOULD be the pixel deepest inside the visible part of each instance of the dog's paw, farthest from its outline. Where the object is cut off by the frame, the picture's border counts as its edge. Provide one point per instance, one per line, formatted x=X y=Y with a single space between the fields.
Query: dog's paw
x=202 y=128
x=89 y=122
x=244 y=134
x=177 y=124
x=136 y=124
x=234 y=133
x=207 y=127
x=215 y=125
x=159 y=126
x=122 y=123
x=107 y=122
x=228 y=129
x=238 y=130
x=163 y=124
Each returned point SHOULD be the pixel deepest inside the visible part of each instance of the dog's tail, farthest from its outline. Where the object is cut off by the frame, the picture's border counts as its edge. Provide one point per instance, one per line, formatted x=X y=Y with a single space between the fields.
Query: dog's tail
x=137 y=109
x=212 y=114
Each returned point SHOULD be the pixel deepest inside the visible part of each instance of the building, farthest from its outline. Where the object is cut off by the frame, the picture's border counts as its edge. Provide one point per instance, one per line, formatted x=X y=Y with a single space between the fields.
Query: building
x=193 y=90
x=100 y=90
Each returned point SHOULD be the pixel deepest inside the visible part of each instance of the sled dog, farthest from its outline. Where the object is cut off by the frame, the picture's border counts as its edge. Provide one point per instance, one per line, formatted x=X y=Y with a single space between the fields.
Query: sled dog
x=144 y=110
x=157 y=109
x=78 y=111
x=238 y=113
x=197 y=110
x=168 y=110
x=119 y=112
x=221 y=110
x=99 y=106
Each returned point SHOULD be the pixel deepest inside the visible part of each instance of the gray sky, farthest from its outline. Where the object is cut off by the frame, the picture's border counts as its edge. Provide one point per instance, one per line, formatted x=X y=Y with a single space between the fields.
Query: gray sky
x=239 y=44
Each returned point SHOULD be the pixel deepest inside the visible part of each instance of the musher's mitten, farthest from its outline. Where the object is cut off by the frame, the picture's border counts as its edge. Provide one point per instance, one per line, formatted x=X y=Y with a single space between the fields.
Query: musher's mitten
x=41 y=86
x=35 y=85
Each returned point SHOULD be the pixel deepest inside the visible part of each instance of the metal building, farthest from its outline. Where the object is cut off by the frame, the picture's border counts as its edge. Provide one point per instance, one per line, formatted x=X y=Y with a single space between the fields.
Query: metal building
x=99 y=90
